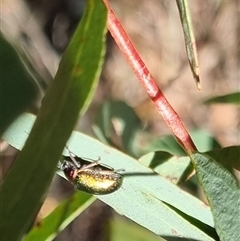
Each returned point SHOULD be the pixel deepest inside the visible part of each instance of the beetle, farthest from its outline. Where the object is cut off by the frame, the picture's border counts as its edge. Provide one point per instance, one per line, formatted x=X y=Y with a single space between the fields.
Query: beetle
x=90 y=176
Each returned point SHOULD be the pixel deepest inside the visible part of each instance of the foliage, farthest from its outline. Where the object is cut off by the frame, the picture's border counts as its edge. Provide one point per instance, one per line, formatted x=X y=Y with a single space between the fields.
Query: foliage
x=149 y=194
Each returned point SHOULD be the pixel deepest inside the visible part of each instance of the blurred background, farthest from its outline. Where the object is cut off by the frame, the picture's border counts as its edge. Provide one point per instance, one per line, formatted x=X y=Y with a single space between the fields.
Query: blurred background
x=41 y=29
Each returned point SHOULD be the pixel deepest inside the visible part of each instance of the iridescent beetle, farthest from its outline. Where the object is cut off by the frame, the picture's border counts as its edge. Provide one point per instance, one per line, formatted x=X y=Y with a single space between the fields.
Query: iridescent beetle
x=90 y=177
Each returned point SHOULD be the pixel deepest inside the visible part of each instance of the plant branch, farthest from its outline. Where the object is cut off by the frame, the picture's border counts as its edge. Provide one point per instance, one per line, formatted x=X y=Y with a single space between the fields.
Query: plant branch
x=164 y=108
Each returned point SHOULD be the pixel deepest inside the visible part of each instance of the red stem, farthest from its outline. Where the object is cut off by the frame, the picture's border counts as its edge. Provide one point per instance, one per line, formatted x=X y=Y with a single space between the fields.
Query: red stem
x=164 y=108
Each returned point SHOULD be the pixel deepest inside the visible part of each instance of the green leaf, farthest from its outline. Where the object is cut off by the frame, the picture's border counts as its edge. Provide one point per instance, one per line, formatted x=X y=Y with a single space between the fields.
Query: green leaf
x=123 y=229
x=222 y=191
x=60 y=217
x=233 y=98
x=173 y=168
x=144 y=197
x=190 y=41
x=115 y=120
x=25 y=185
x=228 y=156
x=165 y=143
x=203 y=140
x=17 y=87
x=176 y=169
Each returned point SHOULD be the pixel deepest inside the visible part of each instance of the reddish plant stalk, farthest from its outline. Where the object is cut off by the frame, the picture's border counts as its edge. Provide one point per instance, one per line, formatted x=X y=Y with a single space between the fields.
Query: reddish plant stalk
x=164 y=108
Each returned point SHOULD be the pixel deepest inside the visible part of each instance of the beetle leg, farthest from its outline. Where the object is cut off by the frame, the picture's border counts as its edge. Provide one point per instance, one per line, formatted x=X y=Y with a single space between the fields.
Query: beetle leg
x=93 y=164
x=72 y=156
